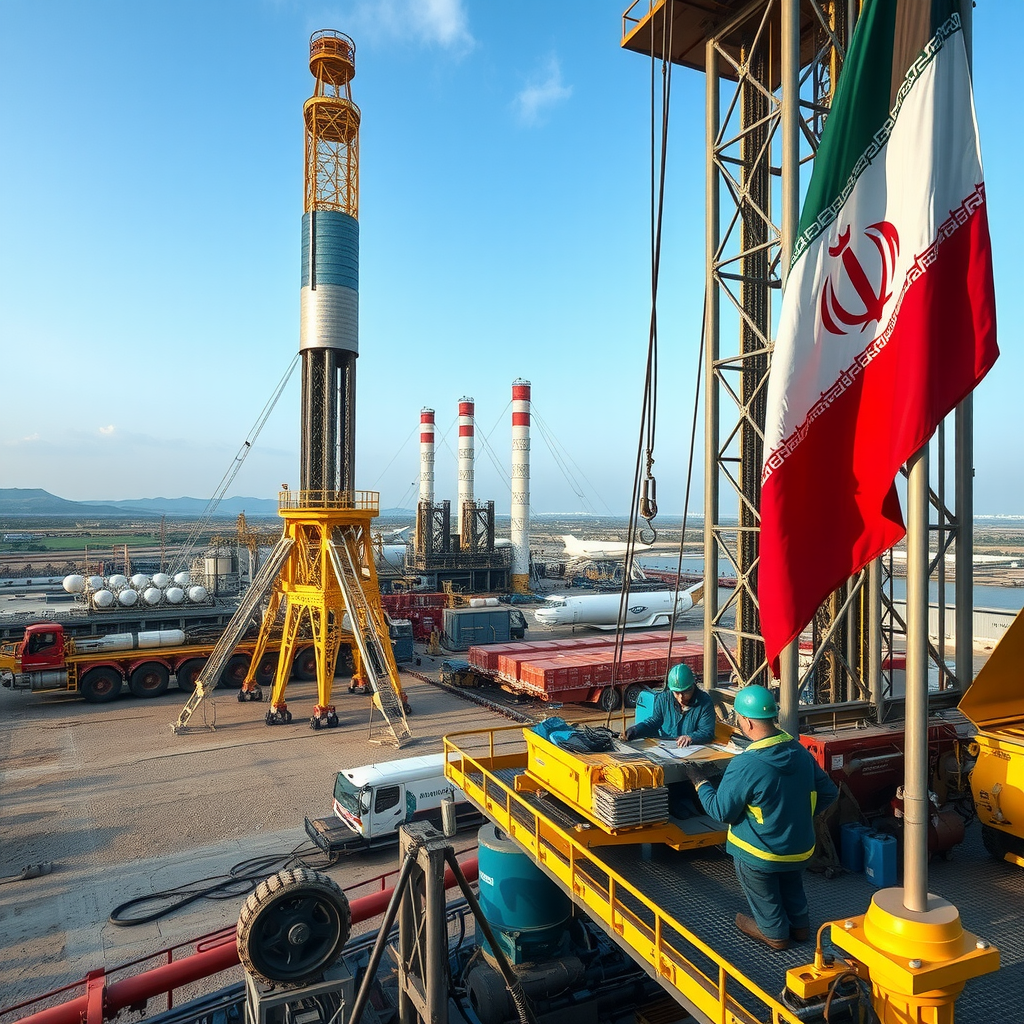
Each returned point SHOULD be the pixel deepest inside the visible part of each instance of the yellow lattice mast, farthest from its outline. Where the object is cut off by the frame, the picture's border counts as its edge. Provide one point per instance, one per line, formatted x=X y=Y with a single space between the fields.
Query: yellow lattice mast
x=322 y=576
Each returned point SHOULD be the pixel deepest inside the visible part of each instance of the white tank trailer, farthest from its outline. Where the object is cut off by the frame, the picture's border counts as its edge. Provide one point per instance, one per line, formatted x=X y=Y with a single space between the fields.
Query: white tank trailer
x=645 y=609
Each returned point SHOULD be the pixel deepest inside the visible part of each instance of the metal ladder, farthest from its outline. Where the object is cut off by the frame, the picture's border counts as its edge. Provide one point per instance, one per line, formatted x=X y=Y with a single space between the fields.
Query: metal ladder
x=379 y=666
x=225 y=646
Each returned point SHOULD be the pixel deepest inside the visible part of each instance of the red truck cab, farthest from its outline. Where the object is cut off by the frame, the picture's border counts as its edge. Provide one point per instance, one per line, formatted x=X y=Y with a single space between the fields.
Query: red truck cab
x=42 y=647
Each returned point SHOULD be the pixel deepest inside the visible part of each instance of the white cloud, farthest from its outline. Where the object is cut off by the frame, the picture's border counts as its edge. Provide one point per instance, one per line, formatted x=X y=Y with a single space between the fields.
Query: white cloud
x=108 y=430
x=542 y=91
x=441 y=23
x=31 y=437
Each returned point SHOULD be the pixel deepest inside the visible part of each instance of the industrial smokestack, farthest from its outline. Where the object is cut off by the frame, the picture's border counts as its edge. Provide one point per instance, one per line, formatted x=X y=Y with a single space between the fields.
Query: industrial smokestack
x=520 y=486
x=466 y=453
x=427 y=456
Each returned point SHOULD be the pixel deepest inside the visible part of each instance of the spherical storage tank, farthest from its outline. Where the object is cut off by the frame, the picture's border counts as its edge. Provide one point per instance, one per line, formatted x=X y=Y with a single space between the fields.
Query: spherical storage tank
x=527 y=911
x=128 y=597
x=152 y=595
x=117 y=580
x=94 y=582
x=174 y=595
x=102 y=599
x=161 y=579
x=73 y=584
x=197 y=594
x=181 y=579
x=138 y=581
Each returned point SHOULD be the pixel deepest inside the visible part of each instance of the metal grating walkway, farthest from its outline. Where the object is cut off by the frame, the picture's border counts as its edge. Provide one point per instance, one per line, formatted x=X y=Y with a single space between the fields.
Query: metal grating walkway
x=699 y=889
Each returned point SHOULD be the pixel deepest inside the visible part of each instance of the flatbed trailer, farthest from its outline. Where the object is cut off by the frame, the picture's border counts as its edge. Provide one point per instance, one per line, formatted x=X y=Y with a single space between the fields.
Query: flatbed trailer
x=98 y=667
x=579 y=670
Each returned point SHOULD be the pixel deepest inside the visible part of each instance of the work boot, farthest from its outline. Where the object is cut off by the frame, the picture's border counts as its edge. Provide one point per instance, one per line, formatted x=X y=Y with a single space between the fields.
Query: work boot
x=748 y=926
x=799 y=934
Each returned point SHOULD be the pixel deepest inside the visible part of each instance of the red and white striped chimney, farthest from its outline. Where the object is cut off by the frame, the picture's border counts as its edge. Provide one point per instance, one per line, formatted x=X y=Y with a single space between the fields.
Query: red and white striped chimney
x=466 y=454
x=427 y=455
x=520 y=486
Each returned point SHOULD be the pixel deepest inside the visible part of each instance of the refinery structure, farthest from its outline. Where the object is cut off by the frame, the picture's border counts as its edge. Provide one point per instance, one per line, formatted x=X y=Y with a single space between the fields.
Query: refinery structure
x=602 y=891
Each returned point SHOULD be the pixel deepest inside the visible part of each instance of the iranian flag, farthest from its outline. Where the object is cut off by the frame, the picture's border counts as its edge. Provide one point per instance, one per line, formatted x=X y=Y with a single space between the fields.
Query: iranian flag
x=888 y=317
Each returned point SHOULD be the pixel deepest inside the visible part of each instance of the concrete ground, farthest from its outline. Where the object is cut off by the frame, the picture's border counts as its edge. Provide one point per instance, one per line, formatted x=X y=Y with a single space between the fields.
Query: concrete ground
x=123 y=808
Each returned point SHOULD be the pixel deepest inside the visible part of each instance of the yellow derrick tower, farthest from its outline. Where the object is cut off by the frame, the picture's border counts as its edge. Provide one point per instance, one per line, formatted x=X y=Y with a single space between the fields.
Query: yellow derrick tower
x=320 y=580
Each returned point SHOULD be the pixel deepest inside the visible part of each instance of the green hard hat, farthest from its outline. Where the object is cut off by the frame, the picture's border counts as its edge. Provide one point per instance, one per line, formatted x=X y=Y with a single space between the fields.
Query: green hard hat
x=680 y=679
x=755 y=702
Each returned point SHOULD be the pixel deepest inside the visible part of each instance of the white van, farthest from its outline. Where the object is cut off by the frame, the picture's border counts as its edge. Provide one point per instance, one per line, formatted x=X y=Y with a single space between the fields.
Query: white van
x=371 y=801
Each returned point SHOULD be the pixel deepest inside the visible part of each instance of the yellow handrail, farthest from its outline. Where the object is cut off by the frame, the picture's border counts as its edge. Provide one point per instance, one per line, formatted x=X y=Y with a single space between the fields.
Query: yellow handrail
x=474 y=776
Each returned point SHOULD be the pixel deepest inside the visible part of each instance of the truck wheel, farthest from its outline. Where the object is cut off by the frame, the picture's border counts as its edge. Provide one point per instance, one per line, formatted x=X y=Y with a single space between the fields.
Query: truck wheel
x=266 y=671
x=100 y=685
x=633 y=691
x=304 y=665
x=610 y=699
x=234 y=672
x=293 y=927
x=188 y=673
x=149 y=680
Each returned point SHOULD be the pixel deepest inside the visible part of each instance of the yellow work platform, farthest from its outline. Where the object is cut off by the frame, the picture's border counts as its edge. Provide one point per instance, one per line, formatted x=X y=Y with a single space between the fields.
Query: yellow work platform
x=673 y=911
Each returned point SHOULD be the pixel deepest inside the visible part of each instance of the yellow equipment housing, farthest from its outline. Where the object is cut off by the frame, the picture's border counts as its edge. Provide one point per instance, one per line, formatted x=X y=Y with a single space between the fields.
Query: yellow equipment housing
x=995 y=705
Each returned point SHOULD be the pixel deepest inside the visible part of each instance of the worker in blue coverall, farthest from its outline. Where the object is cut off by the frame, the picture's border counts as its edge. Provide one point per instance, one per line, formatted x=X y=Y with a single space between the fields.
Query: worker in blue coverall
x=768 y=796
x=685 y=713
x=682 y=712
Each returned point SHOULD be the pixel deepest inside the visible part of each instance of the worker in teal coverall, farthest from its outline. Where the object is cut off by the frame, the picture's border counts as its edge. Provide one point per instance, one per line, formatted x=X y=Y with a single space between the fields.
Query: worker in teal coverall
x=682 y=712
x=768 y=796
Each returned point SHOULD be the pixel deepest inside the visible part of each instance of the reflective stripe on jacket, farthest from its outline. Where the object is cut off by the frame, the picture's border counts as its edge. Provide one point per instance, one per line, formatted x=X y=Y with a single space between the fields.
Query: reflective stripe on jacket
x=768 y=796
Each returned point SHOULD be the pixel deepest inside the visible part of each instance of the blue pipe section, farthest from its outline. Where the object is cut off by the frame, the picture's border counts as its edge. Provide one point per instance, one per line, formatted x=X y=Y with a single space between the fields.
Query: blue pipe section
x=335 y=249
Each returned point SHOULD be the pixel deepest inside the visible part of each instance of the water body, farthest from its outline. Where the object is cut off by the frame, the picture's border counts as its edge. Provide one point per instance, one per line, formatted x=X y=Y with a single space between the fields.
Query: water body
x=1010 y=598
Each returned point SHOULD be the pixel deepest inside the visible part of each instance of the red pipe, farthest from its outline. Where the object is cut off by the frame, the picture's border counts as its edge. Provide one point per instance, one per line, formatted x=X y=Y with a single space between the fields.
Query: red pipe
x=137 y=989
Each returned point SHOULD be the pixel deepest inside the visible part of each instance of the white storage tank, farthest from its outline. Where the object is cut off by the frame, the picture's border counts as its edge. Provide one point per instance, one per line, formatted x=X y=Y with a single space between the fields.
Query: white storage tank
x=94 y=583
x=197 y=594
x=102 y=599
x=117 y=581
x=181 y=579
x=174 y=595
x=73 y=584
x=139 y=581
x=161 y=579
x=152 y=595
x=128 y=597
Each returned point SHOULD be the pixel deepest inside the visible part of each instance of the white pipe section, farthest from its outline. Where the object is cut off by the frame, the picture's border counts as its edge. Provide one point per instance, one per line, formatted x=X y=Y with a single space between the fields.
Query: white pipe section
x=427 y=455
x=521 y=486
x=466 y=453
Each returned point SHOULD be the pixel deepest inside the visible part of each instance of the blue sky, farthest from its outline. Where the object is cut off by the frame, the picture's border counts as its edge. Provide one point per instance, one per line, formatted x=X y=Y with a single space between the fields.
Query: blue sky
x=150 y=199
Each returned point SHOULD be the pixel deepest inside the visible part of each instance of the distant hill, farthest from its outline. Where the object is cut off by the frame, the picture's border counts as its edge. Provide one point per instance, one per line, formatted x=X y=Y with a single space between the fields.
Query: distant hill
x=195 y=506
x=34 y=501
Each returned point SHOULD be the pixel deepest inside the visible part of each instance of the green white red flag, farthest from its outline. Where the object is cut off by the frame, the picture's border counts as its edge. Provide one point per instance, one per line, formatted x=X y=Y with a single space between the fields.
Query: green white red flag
x=888 y=316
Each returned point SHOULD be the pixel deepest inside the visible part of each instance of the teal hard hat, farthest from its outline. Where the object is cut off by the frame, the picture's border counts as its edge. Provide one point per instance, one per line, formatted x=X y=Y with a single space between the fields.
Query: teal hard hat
x=680 y=679
x=755 y=702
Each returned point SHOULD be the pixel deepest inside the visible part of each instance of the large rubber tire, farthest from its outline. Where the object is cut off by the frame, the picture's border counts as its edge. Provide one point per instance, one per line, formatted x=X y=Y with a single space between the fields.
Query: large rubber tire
x=188 y=673
x=304 y=665
x=610 y=699
x=633 y=691
x=266 y=671
x=149 y=680
x=293 y=927
x=100 y=685
x=233 y=674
